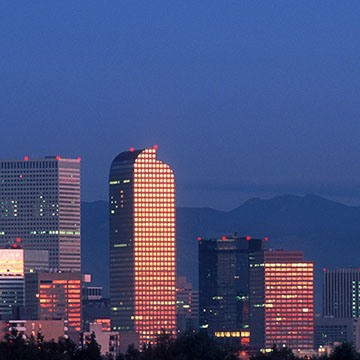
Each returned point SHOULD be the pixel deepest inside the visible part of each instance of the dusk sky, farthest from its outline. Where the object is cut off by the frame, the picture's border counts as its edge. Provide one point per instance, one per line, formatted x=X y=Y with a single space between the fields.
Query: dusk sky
x=244 y=98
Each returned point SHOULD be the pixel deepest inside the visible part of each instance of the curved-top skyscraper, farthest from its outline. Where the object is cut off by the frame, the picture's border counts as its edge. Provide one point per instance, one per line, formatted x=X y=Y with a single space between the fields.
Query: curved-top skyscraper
x=142 y=244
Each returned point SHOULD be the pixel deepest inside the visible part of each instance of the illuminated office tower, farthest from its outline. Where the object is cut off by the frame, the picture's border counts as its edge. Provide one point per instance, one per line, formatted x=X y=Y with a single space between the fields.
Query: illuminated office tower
x=14 y=263
x=40 y=204
x=341 y=293
x=289 y=300
x=224 y=285
x=55 y=296
x=142 y=244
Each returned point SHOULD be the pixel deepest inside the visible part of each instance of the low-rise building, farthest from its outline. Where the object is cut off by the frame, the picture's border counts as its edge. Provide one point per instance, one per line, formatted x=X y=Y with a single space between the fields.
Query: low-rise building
x=49 y=330
x=331 y=331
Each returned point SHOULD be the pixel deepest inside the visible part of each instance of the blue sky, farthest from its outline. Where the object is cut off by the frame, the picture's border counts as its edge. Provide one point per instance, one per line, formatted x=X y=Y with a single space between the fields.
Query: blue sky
x=243 y=98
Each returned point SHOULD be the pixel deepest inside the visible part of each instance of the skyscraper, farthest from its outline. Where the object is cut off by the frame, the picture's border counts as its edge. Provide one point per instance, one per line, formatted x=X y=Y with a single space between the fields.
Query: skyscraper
x=142 y=244
x=224 y=283
x=341 y=293
x=40 y=204
x=289 y=300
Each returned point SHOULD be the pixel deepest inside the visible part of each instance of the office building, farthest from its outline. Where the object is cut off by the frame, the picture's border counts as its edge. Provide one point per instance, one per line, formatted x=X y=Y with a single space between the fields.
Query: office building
x=142 y=245
x=96 y=308
x=331 y=331
x=14 y=263
x=55 y=296
x=40 y=205
x=289 y=300
x=224 y=285
x=187 y=306
x=341 y=293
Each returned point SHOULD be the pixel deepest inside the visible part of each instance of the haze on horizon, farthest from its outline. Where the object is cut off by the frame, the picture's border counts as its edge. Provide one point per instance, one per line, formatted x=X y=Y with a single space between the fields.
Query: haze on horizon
x=244 y=98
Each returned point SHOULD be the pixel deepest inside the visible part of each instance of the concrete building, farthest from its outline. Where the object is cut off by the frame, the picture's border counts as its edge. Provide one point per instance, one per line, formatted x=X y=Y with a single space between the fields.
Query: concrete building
x=187 y=306
x=40 y=205
x=55 y=296
x=142 y=245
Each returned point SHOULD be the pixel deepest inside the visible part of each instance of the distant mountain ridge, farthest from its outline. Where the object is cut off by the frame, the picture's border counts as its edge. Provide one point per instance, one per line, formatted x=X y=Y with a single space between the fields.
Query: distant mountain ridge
x=327 y=231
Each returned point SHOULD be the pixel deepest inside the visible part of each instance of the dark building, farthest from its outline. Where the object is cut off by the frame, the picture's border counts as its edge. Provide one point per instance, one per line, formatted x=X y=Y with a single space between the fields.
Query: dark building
x=329 y=331
x=224 y=284
x=341 y=293
x=142 y=245
x=95 y=308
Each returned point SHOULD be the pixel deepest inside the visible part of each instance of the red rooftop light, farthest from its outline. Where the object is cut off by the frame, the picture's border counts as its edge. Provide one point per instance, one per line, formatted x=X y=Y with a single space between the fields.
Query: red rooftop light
x=248 y=238
x=26 y=158
x=79 y=158
x=223 y=238
x=58 y=157
x=155 y=147
x=132 y=149
x=199 y=238
x=266 y=239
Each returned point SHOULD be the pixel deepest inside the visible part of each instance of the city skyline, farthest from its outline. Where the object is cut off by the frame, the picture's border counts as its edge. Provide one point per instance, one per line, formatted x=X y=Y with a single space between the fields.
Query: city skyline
x=273 y=85
x=180 y=179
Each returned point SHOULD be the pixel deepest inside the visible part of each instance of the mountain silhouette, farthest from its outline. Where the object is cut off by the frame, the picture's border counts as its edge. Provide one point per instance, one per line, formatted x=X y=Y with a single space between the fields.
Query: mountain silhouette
x=328 y=232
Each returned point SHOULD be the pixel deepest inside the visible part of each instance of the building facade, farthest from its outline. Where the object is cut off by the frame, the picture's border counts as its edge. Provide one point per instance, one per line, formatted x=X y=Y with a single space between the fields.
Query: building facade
x=330 y=331
x=341 y=293
x=40 y=205
x=289 y=300
x=224 y=284
x=14 y=263
x=55 y=296
x=50 y=330
x=187 y=306
x=142 y=244
x=109 y=341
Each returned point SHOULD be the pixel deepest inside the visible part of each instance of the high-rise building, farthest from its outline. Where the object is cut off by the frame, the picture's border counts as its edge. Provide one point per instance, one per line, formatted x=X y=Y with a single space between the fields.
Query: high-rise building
x=40 y=204
x=289 y=300
x=55 y=296
x=187 y=306
x=224 y=284
x=142 y=244
x=341 y=293
x=14 y=263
